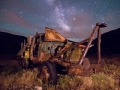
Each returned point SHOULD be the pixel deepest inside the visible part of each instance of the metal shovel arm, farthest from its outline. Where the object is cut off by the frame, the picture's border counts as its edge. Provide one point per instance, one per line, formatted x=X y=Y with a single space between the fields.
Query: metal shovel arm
x=69 y=48
x=97 y=28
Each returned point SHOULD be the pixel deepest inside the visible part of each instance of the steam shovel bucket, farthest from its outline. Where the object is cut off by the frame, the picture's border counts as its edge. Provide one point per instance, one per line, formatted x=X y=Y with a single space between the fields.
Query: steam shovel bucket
x=96 y=68
x=86 y=69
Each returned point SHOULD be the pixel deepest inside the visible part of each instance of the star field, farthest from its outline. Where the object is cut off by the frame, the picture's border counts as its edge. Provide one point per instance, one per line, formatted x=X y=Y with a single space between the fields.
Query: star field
x=72 y=18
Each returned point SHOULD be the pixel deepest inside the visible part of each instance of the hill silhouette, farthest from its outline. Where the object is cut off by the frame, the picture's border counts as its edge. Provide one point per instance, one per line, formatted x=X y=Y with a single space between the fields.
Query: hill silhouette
x=9 y=43
x=110 y=42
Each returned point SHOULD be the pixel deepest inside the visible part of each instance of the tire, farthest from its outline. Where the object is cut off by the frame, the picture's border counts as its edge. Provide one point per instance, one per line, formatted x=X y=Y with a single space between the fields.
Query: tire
x=48 y=73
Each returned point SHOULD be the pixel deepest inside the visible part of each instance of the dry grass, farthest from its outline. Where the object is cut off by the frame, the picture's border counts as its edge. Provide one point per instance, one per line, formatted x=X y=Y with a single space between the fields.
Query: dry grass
x=22 y=78
x=107 y=79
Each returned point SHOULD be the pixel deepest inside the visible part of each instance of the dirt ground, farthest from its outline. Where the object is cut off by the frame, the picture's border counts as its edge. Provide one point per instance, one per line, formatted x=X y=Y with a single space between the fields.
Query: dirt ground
x=12 y=61
x=7 y=61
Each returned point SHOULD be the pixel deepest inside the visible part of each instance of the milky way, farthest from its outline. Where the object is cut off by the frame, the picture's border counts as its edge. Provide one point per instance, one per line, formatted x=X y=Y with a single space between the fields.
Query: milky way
x=72 y=18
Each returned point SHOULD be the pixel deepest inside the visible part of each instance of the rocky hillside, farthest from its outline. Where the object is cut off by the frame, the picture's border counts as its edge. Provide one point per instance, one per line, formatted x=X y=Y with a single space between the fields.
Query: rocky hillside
x=9 y=43
x=110 y=42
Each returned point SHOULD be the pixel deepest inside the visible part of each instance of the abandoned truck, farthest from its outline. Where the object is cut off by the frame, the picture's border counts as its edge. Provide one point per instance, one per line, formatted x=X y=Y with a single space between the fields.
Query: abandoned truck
x=55 y=55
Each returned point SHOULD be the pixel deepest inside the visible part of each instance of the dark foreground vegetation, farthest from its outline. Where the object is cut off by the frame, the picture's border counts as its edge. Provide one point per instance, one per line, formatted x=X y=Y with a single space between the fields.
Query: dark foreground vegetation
x=15 y=78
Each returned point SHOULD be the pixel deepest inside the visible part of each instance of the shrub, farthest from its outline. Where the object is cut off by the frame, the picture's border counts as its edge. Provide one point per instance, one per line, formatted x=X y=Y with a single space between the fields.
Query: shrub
x=24 y=77
x=107 y=79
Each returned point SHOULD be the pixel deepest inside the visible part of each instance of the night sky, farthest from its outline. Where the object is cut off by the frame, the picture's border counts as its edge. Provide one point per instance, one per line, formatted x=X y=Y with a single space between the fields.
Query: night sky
x=71 y=18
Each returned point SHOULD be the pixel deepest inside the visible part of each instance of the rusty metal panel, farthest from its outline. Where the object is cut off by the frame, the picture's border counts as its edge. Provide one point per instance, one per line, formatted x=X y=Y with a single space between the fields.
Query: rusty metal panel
x=75 y=54
x=78 y=70
x=53 y=35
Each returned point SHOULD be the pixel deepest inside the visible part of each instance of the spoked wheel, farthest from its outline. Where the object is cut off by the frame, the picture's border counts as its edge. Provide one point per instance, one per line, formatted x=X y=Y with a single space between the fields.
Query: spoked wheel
x=86 y=67
x=48 y=73
x=45 y=74
x=86 y=64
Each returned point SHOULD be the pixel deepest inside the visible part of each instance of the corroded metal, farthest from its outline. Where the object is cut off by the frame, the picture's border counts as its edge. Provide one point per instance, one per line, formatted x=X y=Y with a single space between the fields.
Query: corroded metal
x=46 y=47
x=98 y=26
x=99 y=43
x=69 y=48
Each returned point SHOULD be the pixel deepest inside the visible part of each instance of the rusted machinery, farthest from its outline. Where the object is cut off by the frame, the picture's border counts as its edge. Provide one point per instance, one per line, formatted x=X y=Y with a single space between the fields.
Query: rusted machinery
x=55 y=55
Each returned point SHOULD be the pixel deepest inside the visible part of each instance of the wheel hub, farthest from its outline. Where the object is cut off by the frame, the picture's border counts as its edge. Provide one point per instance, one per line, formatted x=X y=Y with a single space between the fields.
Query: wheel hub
x=45 y=74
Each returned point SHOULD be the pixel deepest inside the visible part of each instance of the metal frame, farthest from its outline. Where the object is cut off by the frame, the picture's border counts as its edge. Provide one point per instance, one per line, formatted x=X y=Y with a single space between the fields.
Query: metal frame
x=89 y=39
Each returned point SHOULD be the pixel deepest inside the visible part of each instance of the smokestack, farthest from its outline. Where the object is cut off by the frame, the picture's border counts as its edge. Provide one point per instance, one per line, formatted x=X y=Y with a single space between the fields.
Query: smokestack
x=29 y=38
x=21 y=45
x=24 y=43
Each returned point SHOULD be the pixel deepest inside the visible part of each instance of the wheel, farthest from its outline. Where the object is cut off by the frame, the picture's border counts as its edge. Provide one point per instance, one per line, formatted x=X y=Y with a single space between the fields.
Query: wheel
x=24 y=64
x=48 y=73
x=86 y=64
